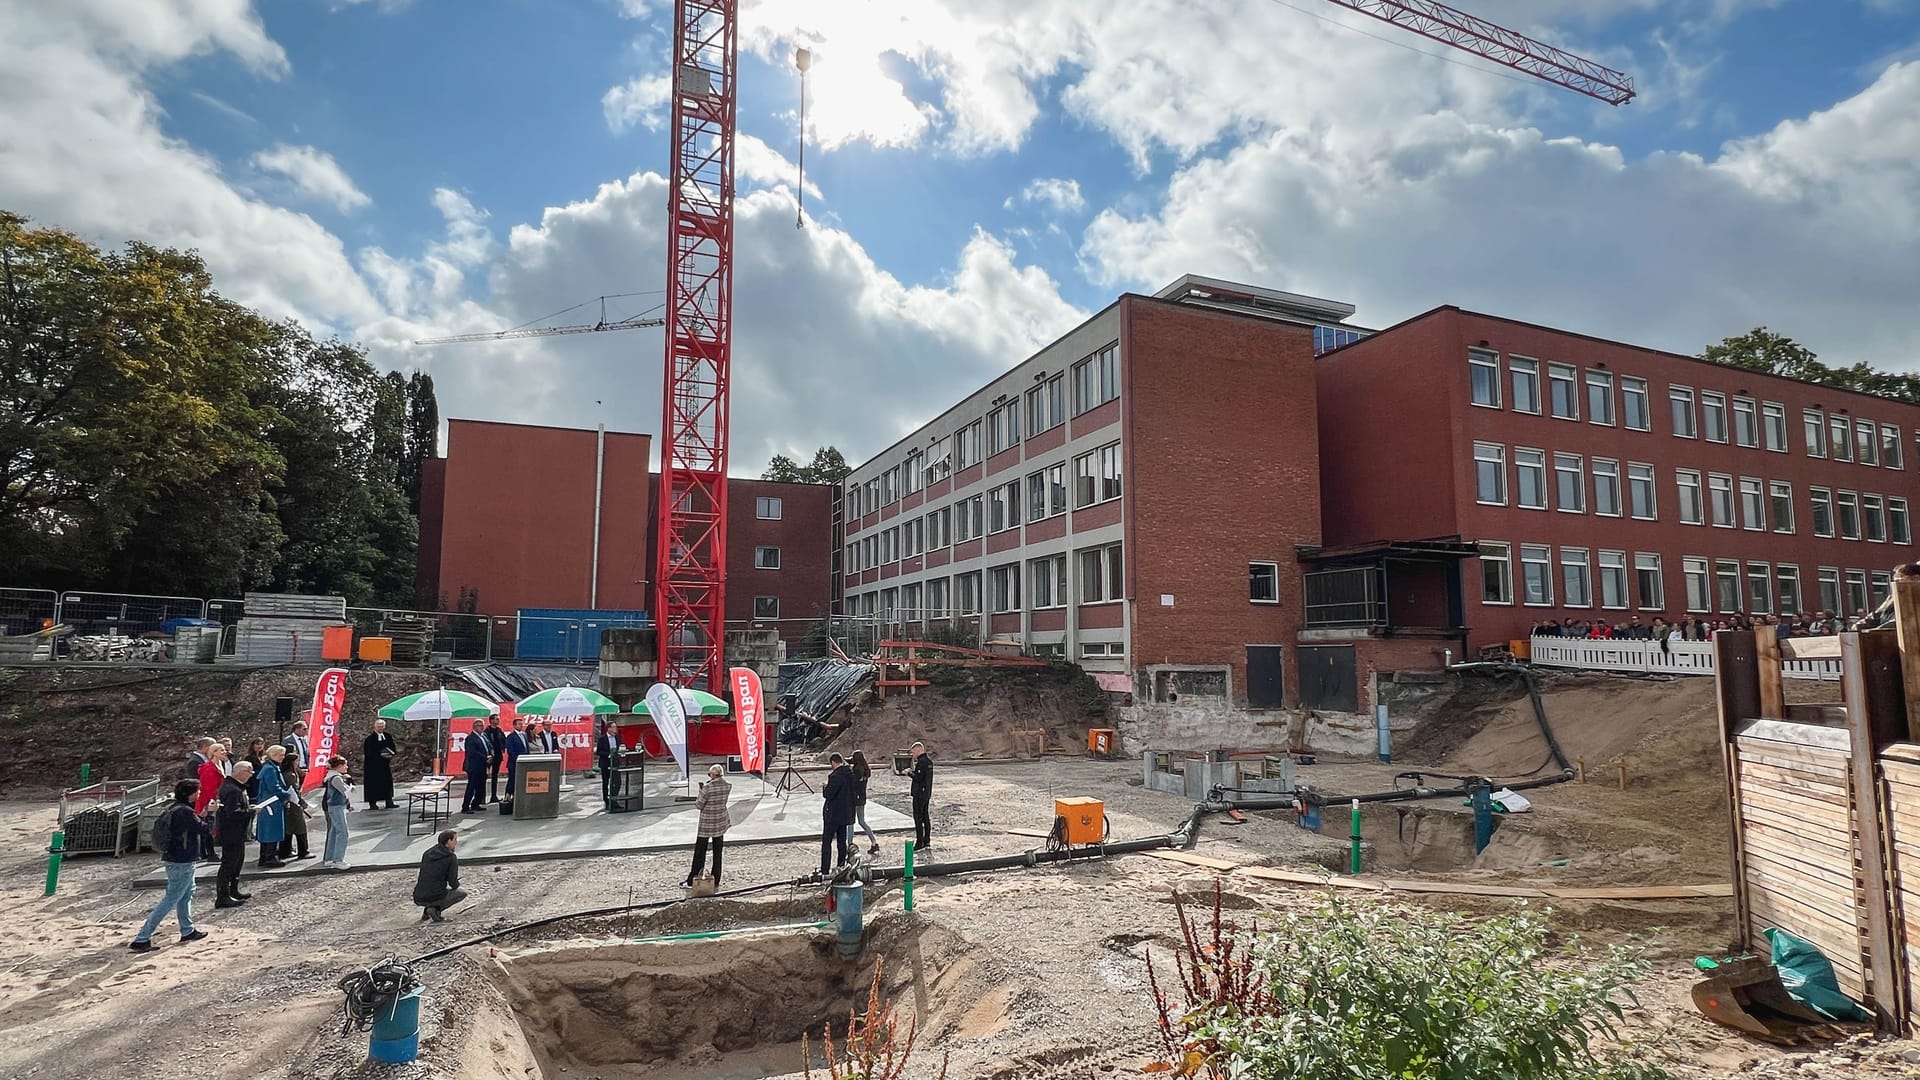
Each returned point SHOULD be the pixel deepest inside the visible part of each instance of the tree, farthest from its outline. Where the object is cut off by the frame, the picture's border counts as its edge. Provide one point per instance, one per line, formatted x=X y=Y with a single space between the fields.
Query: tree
x=1764 y=351
x=828 y=467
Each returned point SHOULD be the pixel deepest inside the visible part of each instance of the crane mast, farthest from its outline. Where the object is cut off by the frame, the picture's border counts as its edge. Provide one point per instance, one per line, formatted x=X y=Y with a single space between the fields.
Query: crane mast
x=1470 y=33
x=691 y=562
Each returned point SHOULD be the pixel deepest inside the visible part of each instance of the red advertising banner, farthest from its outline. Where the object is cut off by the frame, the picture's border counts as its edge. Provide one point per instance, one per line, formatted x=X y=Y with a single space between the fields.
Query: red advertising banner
x=329 y=701
x=576 y=739
x=751 y=715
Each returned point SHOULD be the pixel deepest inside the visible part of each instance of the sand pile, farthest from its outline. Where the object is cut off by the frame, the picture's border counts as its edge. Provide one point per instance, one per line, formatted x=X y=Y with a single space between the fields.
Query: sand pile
x=980 y=712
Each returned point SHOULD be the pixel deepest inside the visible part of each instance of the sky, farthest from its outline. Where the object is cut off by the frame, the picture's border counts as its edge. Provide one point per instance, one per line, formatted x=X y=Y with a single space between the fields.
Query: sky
x=981 y=175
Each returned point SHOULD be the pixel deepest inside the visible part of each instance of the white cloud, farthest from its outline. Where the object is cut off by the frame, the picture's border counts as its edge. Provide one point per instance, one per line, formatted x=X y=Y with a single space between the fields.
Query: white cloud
x=1060 y=194
x=314 y=173
x=642 y=100
x=754 y=162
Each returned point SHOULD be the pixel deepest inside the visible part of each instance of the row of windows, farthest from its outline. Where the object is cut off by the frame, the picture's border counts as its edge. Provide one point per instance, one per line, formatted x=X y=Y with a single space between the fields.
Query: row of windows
x=1096 y=479
x=1719 y=499
x=1576 y=577
x=1611 y=399
x=1095 y=381
x=1043 y=583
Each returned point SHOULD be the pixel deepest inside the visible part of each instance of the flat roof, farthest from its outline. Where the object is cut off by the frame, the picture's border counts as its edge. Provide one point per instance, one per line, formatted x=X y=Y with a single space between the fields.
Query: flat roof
x=1238 y=296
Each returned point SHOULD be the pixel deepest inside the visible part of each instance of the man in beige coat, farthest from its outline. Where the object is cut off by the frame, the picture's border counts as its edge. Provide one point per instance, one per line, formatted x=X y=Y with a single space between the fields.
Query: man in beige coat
x=712 y=805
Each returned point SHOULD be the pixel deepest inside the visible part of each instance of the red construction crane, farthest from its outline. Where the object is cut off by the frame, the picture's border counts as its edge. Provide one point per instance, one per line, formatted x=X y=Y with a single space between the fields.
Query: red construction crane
x=691 y=576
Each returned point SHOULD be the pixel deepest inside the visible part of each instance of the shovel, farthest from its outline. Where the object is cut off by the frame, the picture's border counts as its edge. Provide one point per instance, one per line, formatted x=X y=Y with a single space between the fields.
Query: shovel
x=1745 y=993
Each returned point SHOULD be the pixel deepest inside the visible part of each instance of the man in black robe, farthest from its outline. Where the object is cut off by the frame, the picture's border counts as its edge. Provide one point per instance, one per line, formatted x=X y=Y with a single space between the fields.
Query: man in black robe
x=376 y=771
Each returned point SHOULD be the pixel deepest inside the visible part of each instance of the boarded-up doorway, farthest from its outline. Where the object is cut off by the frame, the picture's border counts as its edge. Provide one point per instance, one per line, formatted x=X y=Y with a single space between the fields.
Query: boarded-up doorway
x=1327 y=679
x=1266 y=676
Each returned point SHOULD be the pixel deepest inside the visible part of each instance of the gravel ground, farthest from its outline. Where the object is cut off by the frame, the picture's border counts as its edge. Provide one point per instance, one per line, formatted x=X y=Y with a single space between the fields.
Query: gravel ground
x=1061 y=949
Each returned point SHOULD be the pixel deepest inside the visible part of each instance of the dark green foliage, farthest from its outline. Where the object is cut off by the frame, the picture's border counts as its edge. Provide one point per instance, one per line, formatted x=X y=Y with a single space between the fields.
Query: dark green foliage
x=1764 y=351
x=827 y=467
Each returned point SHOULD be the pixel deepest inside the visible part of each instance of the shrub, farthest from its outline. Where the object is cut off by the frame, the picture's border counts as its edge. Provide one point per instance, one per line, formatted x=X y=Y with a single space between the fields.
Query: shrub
x=870 y=1046
x=1373 y=993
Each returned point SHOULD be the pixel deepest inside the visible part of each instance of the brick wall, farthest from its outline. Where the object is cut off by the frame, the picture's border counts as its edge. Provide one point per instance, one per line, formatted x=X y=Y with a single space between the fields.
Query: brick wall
x=1222 y=468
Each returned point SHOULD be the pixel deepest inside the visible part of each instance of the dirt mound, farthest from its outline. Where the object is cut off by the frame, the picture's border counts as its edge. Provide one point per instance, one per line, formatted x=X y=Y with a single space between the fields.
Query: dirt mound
x=130 y=723
x=978 y=712
x=738 y=1006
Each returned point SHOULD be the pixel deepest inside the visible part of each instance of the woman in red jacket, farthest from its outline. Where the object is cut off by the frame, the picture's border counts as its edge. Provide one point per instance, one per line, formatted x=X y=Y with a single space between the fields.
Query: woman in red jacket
x=212 y=772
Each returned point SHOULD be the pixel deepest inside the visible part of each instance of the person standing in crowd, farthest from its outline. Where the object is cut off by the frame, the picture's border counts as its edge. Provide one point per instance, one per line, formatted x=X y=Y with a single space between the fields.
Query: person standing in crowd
x=176 y=835
x=714 y=821
x=496 y=755
x=516 y=745
x=836 y=814
x=920 y=786
x=298 y=752
x=294 y=775
x=270 y=820
x=255 y=755
x=213 y=772
x=438 y=886
x=335 y=801
x=376 y=767
x=202 y=753
x=233 y=812
x=227 y=742
x=544 y=740
x=862 y=772
x=473 y=761
x=606 y=754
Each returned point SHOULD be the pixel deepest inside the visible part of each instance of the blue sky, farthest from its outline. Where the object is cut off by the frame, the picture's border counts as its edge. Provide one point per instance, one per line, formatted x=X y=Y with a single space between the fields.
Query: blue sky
x=395 y=169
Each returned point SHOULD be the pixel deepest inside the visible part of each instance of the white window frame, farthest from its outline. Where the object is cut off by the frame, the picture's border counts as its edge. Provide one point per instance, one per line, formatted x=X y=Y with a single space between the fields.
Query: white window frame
x=1003 y=589
x=1717 y=404
x=1692 y=512
x=1518 y=366
x=1109 y=584
x=1598 y=379
x=1612 y=567
x=1759 y=580
x=1773 y=426
x=1565 y=466
x=1608 y=468
x=1524 y=458
x=1748 y=434
x=1718 y=485
x=1841 y=501
x=1111 y=480
x=1057 y=492
x=1254 y=570
x=763 y=503
x=1052 y=571
x=1858 y=598
x=1649 y=562
x=1818 y=497
x=1866 y=450
x=1839 y=437
x=1899 y=520
x=1892 y=453
x=766 y=608
x=1563 y=375
x=1497 y=553
x=1831 y=596
x=1037 y=495
x=1576 y=578
x=1697 y=570
x=1753 y=504
x=1652 y=488
x=1727 y=571
x=1490 y=454
x=759 y=557
x=1786 y=579
x=1540 y=556
x=1633 y=386
x=1872 y=506
x=1676 y=397
x=1780 y=497
x=1813 y=428
x=1483 y=363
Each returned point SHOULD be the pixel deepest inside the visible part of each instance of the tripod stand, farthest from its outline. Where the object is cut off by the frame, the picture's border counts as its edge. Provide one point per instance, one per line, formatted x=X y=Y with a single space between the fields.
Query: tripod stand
x=790 y=781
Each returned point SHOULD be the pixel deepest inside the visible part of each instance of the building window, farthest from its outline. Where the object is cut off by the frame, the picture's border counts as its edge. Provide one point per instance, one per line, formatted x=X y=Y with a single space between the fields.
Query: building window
x=911 y=536
x=1100 y=579
x=1640 y=500
x=1866 y=444
x=1780 y=494
x=1688 y=483
x=1562 y=392
x=1874 y=511
x=766 y=607
x=1759 y=588
x=1102 y=650
x=1576 y=588
x=1857 y=592
x=1047 y=581
x=1720 y=498
x=939 y=528
x=1753 y=503
x=1787 y=581
x=1529 y=478
x=767 y=509
x=1086 y=480
x=1634 y=413
x=1746 y=431
x=915 y=471
x=1822 y=500
x=1003 y=427
x=1096 y=380
x=1109 y=471
x=1890 y=447
x=1839 y=441
x=1003 y=588
x=1882 y=588
x=1047 y=406
x=1263 y=582
x=1490 y=473
x=1036 y=495
x=1849 y=504
x=1699 y=584
x=1570 y=485
x=937 y=599
x=1813 y=427
x=910 y=609
x=1830 y=589
x=1899 y=530
x=766 y=558
x=966 y=446
x=1536 y=575
x=1003 y=507
x=1600 y=397
x=1496 y=572
x=1057 y=488
x=1713 y=415
x=1681 y=398
x=969 y=519
x=967 y=597
x=1483 y=368
x=1726 y=580
x=1526 y=384
x=1613 y=579
x=1773 y=423
x=1653 y=589
x=939 y=461
x=1606 y=487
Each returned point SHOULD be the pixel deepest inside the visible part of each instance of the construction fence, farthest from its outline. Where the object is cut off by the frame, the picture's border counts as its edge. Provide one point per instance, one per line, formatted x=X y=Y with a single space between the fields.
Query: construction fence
x=1653 y=657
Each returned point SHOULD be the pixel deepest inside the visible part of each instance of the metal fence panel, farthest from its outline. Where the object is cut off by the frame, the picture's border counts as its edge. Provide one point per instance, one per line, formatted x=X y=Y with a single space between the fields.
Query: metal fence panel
x=131 y=614
x=22 y=611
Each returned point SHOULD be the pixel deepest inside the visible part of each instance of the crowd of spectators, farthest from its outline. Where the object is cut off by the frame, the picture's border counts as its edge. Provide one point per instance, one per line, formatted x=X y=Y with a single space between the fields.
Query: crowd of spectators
x=1688 y=627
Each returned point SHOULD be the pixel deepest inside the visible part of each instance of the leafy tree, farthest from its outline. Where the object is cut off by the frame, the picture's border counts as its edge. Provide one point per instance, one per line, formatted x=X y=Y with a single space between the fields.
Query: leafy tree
x=1764 y=351
x=827 y=467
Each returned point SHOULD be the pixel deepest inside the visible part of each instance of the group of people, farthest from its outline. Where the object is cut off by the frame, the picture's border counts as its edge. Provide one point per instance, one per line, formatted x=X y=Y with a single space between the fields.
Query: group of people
x=1689 y=627
x=487 y=749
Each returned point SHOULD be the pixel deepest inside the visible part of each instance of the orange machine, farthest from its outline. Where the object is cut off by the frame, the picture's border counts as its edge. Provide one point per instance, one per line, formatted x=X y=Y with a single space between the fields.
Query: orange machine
x=376 y=650
x=336 y=643
x=1085 y=820
x=1100 y=741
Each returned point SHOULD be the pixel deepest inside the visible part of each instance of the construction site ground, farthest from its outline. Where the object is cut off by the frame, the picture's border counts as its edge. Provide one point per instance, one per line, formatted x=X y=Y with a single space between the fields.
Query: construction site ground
x=1029 y=973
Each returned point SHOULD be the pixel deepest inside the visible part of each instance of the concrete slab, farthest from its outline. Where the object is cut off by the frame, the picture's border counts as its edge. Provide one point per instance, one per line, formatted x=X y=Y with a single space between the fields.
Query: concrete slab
x=378 y=840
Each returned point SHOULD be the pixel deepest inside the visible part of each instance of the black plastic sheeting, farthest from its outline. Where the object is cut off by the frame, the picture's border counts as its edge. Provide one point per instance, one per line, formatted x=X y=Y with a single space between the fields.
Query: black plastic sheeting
x=811 y=695
x=511 y=682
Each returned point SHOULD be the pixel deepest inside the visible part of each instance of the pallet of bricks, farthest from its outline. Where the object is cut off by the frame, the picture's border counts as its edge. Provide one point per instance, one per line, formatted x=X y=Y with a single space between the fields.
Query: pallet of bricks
x=285 y=628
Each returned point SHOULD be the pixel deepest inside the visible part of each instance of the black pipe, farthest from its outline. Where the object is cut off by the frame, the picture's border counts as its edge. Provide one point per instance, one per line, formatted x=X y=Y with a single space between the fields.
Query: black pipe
x=594 y=913
x=1032 y=857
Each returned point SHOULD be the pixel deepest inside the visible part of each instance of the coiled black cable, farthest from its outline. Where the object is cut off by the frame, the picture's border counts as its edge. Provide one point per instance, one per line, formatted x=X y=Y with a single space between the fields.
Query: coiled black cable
x=370 y=990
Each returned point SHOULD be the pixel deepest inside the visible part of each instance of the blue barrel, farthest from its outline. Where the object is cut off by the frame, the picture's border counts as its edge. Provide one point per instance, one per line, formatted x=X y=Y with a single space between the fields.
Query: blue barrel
x=396 y=1030
x=847 y=923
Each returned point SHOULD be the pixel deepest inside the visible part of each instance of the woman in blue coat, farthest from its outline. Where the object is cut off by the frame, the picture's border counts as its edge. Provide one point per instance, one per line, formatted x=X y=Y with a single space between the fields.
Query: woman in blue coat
x=270 y=824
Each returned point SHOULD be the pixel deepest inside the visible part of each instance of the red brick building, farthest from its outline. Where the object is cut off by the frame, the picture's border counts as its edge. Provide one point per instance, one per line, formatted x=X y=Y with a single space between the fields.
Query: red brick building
x=1607 y=481
x=509 y=514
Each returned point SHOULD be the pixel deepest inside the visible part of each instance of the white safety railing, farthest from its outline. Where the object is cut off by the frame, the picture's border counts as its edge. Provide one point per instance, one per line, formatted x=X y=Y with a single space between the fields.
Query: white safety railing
x=1676 y=658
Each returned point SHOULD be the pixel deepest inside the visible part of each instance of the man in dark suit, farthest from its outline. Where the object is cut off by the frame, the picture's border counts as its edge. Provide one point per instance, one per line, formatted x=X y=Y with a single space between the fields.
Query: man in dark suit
x=201 y=755
x=496 y=754
x=836 y=813
x=230 y=820
x=516 y=745
x=606 y=755
x=474 y=764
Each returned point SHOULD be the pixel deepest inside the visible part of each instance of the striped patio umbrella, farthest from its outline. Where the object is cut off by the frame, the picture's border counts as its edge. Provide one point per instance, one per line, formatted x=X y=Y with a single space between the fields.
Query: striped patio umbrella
x=438 y=705
x=697 y=703
x=567 y=702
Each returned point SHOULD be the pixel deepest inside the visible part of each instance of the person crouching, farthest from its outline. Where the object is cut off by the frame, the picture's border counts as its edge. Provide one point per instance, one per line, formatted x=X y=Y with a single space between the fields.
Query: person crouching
x=438 y=887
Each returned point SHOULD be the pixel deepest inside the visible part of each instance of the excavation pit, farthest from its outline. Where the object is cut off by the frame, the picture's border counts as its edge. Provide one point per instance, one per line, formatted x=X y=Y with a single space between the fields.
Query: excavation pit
x=737 y=1006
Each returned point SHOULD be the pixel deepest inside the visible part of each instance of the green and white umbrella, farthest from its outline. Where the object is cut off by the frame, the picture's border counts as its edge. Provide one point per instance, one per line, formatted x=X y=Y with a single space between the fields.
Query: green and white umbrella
x=697 y=703
x=565 y=702
x=438 y=705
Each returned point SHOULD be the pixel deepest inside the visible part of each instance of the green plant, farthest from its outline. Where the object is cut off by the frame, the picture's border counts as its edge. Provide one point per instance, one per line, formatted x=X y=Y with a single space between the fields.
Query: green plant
x=1375 y=993
x=870 y=1049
